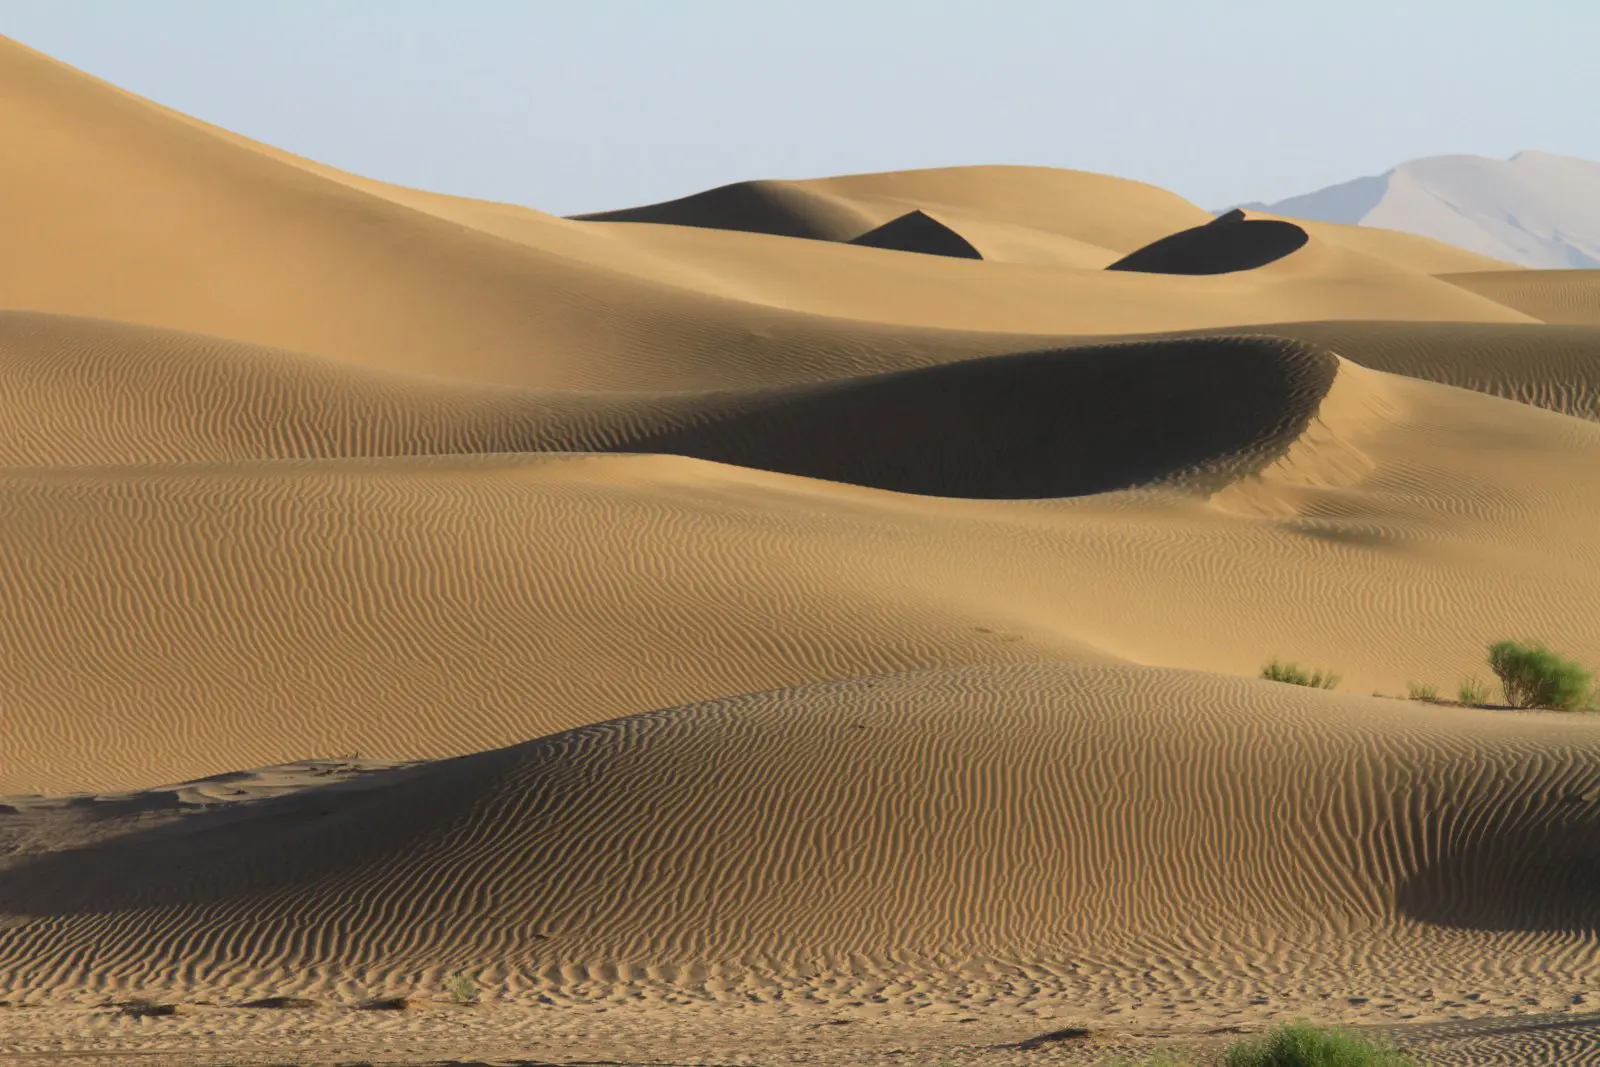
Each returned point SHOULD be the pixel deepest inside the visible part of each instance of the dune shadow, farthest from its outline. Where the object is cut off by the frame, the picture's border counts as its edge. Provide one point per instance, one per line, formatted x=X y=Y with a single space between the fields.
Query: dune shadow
x=214 y=853
x=1056 y=423
x=1542 y=878
x=917 y=231
x=778 y=208
x=1225 y=245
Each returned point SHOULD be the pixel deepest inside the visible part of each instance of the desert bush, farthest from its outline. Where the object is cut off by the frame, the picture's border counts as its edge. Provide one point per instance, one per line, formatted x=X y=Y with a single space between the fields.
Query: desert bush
x=1473 y=692
x=462 y=989
x=1532 y=676
x=1303 y=1045
x=1296 y=1045
x=1294 y=674
x=1420 y=691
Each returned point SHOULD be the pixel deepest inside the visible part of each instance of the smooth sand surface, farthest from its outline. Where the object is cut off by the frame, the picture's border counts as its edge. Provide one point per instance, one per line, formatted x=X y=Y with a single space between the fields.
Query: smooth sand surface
x=819 y=616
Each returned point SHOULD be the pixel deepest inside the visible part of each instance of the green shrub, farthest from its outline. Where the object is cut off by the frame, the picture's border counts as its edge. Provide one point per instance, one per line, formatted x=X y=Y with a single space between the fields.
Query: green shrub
x=1294 y=674
x=1473 y=692
x=1535 y=677
x=462 y=989
x=1303 y=1045
x=1419 y=691
x=1297 y=1045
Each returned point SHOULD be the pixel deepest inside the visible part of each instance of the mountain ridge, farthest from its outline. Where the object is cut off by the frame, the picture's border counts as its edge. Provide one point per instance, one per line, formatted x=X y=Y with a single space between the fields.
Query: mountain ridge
x=1534 y=208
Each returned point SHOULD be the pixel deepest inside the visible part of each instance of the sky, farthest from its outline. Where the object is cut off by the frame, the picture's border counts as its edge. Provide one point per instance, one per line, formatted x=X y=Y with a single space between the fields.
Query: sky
x=583 y=105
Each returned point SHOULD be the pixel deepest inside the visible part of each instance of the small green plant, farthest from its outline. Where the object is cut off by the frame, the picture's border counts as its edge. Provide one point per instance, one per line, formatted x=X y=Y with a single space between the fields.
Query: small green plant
x=1304 y=1045
x=1294 y=674
x=1420 y=691
x=462 y=989
x=1473 y=692
x=1296 y=1045
x=1532 y=676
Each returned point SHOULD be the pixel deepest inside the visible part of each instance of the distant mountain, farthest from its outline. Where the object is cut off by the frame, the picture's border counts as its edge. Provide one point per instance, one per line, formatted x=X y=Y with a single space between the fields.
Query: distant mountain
x=1536 y=209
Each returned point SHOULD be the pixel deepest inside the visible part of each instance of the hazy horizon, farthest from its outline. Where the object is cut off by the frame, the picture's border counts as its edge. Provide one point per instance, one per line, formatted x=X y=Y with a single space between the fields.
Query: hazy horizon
x=572 y=108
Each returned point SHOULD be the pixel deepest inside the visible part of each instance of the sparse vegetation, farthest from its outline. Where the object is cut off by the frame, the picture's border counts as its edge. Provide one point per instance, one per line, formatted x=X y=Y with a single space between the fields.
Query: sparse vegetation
x=1296 y=1045
x=1420 y=691
x=1532 y=676
x=1473 y=692
x=462 y=989
x=1303 y=1045
x=1294 y=674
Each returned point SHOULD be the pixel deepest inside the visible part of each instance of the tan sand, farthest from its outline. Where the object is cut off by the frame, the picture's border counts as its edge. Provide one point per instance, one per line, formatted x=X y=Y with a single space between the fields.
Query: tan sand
x=814 y=616
x=1571 y=296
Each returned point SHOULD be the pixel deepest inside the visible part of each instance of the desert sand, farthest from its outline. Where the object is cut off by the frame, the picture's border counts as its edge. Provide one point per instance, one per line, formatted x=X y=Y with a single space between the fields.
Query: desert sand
x=807 y=621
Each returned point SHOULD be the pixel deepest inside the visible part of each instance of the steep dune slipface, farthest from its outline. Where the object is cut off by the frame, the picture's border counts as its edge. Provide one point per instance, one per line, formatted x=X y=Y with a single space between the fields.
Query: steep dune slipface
x=781 y=208
x=1056 y=424
x=1224 y=245
x=1545 y=366
x=917 y=231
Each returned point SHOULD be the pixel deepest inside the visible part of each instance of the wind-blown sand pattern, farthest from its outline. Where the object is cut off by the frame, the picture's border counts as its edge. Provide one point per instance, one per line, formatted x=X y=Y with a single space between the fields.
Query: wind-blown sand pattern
x=812 y=617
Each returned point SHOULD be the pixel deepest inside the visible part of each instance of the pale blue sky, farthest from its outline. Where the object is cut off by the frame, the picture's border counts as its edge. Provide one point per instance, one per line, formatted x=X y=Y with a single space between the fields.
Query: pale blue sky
x=576 y=105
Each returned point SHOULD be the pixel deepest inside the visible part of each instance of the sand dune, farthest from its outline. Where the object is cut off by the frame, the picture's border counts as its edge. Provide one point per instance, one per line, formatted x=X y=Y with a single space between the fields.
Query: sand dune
x=424 y=606
x=830 y=596
x=118 y=210
x=1095 y=209
x=1125 y=812
x=1052 y=423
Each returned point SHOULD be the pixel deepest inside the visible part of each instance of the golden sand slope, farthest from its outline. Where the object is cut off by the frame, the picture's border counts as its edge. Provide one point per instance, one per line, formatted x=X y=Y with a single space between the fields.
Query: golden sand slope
x=297 y=465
